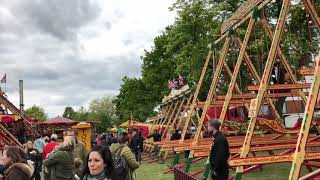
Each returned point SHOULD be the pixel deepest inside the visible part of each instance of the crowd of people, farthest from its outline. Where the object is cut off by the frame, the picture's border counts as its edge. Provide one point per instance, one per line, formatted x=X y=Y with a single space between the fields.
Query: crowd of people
x=67 y=159
x=113 y=157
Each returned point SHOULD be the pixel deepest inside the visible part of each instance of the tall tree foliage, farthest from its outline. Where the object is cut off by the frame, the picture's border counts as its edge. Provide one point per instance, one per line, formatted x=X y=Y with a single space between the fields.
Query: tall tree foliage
x=134 y=100
x=69 y=113
x=37 y=112
x=101 y=110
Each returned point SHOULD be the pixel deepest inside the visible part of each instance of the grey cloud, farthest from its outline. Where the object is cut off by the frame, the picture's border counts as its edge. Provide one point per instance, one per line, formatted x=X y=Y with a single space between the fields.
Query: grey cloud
x=127 y=42
x=75 y=79
x=108 y=25
x=60 y=18
x=38 y=45
x=119 y=14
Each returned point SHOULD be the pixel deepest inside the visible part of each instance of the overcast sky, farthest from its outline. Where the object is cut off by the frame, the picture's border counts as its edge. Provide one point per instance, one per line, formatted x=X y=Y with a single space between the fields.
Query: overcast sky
x=69 y=52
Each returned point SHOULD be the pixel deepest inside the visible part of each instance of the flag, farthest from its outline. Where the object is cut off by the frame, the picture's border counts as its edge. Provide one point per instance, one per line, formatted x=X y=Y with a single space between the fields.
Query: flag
x=4 y=79
x=173 y=84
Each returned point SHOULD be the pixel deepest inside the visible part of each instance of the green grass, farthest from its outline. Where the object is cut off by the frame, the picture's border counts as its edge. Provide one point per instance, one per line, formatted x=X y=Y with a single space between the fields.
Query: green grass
x=153 y=171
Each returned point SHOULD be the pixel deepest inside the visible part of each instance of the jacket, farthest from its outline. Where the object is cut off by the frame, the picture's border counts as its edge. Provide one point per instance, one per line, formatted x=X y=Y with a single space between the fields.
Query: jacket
x=39 y=144
x=59 y=164
x=219 y=154
x=126 y=153
x=48 y=148
x=156 y=137
x=137 y=143
x=80 y=151
x=19 y=171
x=36 y=158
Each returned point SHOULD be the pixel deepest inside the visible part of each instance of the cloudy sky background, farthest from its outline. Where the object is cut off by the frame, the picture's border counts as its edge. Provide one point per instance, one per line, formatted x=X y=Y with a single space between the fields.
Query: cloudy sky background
x=69 y=52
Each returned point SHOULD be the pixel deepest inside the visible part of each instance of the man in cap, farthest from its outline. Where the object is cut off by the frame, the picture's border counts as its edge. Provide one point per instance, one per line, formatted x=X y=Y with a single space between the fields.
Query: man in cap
x=50 y=146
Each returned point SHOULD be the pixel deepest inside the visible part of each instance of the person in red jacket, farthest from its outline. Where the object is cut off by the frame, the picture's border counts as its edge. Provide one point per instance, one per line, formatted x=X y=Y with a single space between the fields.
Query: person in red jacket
x=50 y=146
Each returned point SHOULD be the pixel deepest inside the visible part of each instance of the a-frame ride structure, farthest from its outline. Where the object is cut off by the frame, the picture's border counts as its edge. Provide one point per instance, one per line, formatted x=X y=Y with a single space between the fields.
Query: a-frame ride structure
x=245 y=13
x=9 y=132
x=243 y=145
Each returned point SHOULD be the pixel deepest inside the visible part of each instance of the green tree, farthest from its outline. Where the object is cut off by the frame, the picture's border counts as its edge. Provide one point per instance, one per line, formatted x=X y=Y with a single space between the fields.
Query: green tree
x=134 y=100
x=37 y=112
x=81 y=114
x=69 y=113
x=103 y=111
x=103 y=105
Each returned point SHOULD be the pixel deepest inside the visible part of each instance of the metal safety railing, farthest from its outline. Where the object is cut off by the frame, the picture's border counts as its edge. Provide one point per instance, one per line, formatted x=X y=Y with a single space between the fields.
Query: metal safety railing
x=181 y=175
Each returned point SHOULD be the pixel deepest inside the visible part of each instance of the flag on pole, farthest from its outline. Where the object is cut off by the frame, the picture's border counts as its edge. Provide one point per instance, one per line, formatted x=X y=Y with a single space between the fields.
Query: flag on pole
x=4 y=78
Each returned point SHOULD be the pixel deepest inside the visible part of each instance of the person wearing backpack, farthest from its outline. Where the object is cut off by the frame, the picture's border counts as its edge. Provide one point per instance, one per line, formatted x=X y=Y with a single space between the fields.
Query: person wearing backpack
x=124 y=160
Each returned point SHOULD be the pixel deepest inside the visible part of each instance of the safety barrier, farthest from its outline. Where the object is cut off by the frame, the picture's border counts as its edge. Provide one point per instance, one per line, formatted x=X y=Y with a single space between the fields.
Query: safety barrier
x=181 y=175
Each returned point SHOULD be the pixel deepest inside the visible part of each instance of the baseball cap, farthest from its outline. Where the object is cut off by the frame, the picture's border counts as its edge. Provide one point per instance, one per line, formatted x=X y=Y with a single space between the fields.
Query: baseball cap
x=54 y=136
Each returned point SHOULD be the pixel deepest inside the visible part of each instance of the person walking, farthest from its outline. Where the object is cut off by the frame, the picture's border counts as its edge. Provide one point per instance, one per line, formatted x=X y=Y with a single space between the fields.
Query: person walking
x=15 y=161
x=137 y=145
x=125 y=152
x=219 y=153
x=99 y=164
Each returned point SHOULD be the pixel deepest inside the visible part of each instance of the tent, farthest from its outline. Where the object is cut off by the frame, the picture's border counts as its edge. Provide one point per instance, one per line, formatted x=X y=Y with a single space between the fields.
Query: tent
x=9 y=118
x=143 y=127
x=59 y=120
x=127 y=123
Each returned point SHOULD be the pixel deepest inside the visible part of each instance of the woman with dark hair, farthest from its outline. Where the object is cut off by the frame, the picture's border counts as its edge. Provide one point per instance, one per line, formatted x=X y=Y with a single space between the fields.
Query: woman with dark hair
x=99 y=164
x=15 y=161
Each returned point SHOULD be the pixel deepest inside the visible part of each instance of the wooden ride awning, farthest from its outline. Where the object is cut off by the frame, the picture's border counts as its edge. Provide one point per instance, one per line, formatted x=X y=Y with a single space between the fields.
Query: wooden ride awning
x=271 y=159
x=267 y=95
x=237 y=141
x=206 y=152
x=281 y=86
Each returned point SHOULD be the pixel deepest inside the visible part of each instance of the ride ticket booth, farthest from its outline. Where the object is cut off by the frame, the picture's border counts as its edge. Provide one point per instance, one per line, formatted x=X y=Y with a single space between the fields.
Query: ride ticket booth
x=84 y=134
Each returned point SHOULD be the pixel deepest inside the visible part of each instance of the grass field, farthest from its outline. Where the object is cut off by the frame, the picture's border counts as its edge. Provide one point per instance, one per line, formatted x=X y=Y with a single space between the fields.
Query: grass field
x=153 y=171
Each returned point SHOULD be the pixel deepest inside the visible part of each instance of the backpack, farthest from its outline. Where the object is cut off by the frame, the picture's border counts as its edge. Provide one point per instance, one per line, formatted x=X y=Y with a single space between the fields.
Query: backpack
x=121 y=168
